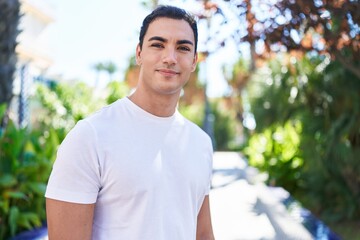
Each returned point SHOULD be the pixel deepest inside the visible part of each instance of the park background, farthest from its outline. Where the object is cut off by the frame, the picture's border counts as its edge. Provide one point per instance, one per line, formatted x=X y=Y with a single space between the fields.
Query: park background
x=277 y=81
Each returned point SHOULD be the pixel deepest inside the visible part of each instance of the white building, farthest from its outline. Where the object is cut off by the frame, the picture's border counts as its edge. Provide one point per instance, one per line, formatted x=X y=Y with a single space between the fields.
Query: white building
x=33 y=47
x=33 y=51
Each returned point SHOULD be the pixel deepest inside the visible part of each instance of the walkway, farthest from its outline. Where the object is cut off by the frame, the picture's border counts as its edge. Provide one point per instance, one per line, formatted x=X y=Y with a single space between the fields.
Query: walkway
x=243 y=208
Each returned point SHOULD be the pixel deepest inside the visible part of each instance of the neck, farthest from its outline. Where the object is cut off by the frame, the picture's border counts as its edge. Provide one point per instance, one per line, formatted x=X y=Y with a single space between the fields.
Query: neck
x=161 y=106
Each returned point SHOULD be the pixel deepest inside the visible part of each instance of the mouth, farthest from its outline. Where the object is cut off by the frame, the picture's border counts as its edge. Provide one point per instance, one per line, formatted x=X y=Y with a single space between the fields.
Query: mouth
x=167 y=72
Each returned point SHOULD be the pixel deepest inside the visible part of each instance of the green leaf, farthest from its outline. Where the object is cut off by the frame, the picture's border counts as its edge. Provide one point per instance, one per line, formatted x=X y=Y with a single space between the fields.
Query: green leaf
x=15 y=195
x=28 y=220
x=4 y=206
x=2 y=110
x=13 y=217
x=24 y=222
x=7 y=180
x=37 y=187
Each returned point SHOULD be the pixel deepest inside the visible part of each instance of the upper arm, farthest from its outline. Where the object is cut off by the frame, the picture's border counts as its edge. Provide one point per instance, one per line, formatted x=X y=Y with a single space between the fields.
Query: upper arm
x=69 y=221
x=204 y=229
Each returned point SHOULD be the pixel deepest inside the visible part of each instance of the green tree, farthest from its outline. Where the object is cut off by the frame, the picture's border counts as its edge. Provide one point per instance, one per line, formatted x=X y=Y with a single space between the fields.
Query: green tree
x=110 y=68
x=325 y=27
x=149 y=4
x=116 y=90
x=324 y=98
x=98 y=67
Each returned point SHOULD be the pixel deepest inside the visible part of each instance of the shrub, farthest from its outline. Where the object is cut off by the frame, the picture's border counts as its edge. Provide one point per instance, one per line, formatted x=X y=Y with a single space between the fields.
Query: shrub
x=324 y=97
x=26 y=158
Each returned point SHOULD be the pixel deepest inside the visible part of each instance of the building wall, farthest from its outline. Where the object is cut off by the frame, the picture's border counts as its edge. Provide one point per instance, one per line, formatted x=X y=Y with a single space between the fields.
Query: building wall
x=33 y=52
x=33 y=43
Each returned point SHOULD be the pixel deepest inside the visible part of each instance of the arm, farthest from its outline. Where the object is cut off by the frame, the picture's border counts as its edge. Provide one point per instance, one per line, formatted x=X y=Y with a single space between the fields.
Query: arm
x=204 y=229
x=69 y=220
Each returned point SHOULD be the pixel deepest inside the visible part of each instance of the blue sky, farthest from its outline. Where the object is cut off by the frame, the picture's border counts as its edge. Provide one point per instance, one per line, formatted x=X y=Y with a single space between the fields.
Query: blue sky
x=86 y=32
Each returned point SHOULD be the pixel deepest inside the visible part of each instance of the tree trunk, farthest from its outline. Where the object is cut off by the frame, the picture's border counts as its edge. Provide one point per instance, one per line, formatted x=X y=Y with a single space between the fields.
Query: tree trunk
x=9 y=19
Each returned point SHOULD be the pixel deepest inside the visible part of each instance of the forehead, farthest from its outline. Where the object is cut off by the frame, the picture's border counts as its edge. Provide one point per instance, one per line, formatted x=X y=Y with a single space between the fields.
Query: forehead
x=170 y=28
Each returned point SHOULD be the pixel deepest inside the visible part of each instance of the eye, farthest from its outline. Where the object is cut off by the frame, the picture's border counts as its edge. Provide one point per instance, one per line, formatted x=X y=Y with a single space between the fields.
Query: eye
x=157 y=45
x=184 y=48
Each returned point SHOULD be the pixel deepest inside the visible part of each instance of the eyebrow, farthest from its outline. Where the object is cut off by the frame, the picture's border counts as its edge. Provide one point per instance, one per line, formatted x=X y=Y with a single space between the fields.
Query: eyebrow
x=161 y=39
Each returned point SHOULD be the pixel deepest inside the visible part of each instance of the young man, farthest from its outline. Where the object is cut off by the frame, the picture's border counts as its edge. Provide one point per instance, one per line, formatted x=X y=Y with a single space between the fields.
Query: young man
x=137 y=169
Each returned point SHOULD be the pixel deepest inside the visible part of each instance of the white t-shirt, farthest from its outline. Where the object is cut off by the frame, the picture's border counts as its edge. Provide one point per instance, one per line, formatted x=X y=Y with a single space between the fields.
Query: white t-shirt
x=148 y=175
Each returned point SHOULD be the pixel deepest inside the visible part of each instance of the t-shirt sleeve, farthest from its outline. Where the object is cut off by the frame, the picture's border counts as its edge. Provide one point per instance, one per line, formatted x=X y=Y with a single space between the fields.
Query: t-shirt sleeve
x=75 y=176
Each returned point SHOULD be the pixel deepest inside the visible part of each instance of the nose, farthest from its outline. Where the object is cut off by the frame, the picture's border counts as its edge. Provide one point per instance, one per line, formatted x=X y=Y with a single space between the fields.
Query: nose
x=170 y=57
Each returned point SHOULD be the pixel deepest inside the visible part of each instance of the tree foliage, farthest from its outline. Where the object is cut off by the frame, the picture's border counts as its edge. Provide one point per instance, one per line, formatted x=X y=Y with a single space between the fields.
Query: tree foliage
x=109 y=67
x=324 y=97
x=315 y=84
x=323 y=26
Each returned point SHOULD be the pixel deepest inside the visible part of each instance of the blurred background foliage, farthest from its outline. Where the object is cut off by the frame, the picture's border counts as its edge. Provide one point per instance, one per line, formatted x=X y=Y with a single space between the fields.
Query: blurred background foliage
x=301 y=84
x=308 y=133
x=26 y=158
x=27 y=154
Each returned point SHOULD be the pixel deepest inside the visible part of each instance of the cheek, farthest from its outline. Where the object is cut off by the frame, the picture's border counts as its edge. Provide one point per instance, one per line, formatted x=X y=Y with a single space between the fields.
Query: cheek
x=193 y=67
x=190 y=66
x=151 y=59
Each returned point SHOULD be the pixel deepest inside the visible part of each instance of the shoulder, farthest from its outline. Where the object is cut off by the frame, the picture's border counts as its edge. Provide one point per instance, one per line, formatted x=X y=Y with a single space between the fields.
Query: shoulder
x=196 y=131
x=88 y=127
x=107 y=115
x=106 y=111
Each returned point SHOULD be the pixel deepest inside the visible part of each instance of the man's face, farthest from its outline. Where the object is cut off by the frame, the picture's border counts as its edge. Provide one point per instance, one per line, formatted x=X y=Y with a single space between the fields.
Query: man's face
x=167 y=56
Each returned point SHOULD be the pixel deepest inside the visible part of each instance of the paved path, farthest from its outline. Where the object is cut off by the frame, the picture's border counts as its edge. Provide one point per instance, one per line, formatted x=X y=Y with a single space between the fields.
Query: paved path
x=243 y=208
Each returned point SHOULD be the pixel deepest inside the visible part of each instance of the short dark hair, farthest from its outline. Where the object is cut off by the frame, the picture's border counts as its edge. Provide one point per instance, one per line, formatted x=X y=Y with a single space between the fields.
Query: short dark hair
x=168 y=12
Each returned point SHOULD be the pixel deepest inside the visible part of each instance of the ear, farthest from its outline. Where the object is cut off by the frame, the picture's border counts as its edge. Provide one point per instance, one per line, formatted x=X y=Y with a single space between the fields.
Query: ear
x=138 y=55
x=194 y=62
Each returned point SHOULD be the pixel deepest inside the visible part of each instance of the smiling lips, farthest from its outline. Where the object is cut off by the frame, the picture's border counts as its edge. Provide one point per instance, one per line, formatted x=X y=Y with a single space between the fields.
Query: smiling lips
x=167 y=72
